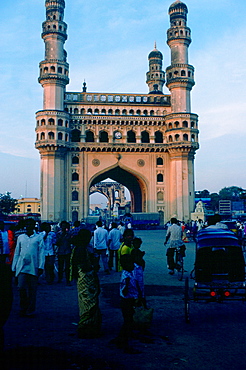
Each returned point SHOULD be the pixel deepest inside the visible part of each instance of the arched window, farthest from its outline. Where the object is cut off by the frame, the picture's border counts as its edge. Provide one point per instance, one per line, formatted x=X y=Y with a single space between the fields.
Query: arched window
x=75 y=160
x=75 y=136
x=193 y=138
x=177 y=137
x=170 y=126
x=110 y=111
x=51 y=121
x=76 y=111
x=103 y=137
x=96 y=111
x=60 y=136
x=170 y=138
x=117 y=112
x=37 y=137
x=145 y=112
x=158 y=137
x=185 y=137
x=59 y=69
x=176 y=124
x=159 y=161
x=144 y=137
x=42 y=136
x=60 y=122
x=89 y=137
x=89 y=111
x=138 y=112
x=131 y=137
x=103 y=111
x=160 y=197
x=52 y=69
x=159 y=177
x=124 y=112
x=51 y=135
x=185 y=124
x=151 y=113
x=43 y=122
x=131 y=112
x=183 y=73
x=75 y=176
x=75 y=196
x=192 y=124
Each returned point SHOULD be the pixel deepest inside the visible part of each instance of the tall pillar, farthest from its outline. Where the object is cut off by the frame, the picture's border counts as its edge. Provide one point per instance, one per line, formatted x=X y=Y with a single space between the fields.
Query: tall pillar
x=52 y=123
x=182 y=132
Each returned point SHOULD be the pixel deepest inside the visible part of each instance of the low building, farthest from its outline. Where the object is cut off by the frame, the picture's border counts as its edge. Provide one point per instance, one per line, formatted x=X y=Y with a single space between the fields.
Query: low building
x=28 y=205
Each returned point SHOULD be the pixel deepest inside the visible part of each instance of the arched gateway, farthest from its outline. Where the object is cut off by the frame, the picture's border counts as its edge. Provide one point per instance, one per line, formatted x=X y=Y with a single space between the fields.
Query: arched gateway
x=146 y=142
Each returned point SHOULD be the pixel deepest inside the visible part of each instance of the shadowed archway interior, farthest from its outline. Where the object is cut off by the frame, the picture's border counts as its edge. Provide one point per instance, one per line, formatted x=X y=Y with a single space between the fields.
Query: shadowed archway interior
x=128 y=180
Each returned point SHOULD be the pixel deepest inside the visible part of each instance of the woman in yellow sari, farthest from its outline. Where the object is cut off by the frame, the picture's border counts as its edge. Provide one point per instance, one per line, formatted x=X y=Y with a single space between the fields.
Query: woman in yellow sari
x=84 y=270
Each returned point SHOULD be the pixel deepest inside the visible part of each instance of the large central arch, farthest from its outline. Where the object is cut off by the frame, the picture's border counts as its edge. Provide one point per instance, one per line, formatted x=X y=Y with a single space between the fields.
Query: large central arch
x=135 y=186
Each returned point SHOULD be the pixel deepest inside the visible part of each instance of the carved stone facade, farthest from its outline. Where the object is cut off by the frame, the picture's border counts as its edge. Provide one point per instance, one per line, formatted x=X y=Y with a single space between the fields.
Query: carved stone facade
x=146 y=142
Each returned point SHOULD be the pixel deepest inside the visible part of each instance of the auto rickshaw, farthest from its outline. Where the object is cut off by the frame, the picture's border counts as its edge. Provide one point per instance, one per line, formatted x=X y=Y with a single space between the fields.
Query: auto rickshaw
x=219 y=271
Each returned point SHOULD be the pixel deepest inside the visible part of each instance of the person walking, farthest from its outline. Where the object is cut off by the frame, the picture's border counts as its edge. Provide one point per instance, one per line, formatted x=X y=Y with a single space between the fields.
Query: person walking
x=174 y=235
x=49 y=248
x=114 y=244
x=126 y=246
x=64 y=249
x=7 y=247
x=84 y=271
x=101 y=245
x=28 y=265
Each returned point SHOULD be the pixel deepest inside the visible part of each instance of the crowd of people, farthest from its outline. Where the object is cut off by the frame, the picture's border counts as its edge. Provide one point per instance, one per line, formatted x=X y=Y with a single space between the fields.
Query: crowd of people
x=33 y=250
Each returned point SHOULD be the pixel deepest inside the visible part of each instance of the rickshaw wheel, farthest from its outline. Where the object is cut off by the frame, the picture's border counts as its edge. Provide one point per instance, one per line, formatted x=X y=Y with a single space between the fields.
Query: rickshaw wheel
x=187 y=301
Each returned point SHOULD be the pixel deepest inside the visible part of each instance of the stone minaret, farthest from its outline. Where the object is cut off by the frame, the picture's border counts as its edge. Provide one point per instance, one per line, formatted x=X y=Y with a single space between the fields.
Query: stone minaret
x=182 y=130
x=155 y=77
x=52 y=127
x=180 y=75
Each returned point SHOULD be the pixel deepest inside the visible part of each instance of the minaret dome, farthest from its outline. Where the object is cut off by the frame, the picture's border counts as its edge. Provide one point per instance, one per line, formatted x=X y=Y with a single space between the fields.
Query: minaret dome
x=155 y=77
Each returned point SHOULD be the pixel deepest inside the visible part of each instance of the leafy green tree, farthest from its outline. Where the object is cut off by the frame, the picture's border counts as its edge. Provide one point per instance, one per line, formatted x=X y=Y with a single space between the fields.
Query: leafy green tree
x=232 y=193
x=7 y=203
x=214 y=204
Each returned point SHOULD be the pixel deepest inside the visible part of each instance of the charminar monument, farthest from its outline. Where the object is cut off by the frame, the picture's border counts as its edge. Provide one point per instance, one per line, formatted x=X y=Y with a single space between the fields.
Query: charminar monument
x=146 y=142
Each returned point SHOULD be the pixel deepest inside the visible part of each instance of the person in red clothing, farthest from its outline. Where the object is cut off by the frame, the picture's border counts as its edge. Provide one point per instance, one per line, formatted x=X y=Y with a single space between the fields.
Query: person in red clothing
x=7 y=247
x=7 y=244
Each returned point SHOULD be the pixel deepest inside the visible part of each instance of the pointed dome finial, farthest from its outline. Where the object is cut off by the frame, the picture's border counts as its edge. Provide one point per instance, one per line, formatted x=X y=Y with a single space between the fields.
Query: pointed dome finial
x=84 y=86
x=155 y=46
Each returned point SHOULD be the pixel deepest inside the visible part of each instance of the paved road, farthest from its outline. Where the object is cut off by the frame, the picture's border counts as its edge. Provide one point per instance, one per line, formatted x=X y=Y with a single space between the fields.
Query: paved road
x=215 y=338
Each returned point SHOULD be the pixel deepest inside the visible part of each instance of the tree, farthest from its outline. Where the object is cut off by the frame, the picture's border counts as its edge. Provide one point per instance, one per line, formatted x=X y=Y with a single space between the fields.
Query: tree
x=214 y=204
x=7 y=203
x=232 y=193
x=202 y=194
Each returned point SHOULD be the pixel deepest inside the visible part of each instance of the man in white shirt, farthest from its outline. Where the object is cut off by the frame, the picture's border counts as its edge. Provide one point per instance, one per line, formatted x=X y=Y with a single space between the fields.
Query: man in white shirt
x=114 y=244
x=28 y=265
x=174 y=235
x=101 y=245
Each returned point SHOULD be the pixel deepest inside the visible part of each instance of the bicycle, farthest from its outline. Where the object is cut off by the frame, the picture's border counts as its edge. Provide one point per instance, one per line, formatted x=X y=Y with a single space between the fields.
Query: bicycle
x=175 y=258
x=179 y=262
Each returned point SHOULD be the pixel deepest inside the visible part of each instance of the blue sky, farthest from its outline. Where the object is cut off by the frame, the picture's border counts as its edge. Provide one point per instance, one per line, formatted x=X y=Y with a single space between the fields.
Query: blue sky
x=108 y=45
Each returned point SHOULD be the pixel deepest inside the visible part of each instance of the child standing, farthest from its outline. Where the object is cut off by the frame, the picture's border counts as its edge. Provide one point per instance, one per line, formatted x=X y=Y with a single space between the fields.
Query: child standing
x=129 y=292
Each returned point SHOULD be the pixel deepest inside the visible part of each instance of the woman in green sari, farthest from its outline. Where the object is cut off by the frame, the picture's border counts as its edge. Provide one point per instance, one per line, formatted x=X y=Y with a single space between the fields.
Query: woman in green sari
x=84 y=270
